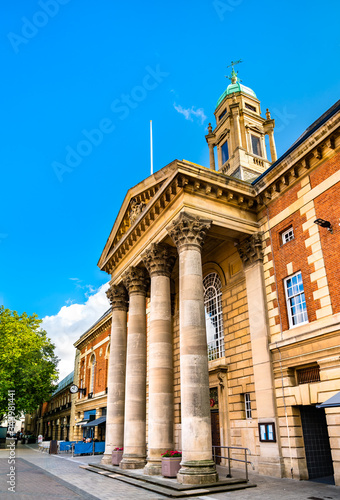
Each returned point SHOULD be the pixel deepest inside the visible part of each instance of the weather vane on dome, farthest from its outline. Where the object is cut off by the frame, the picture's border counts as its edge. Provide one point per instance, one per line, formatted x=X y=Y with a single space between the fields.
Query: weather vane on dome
x=234 y=73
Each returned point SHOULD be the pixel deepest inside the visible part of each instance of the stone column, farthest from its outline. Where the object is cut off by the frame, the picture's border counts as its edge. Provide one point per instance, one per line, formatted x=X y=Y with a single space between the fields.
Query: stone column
x=211 y=156
x=273 y=154
x=250 y=251
x=197 y=467
x=116 y=372
x=135 y=401
x=159 y=261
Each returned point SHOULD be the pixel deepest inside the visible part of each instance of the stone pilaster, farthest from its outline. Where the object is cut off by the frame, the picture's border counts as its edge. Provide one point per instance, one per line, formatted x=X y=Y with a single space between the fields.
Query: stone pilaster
x=159 y=261
x=237 y=130
x=116 y=372
x=251 y=254
x=197 y=467
x=135 y=390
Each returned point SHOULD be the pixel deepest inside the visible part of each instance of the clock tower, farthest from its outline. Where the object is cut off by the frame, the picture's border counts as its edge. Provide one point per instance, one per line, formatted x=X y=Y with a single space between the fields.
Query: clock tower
x=239 y=135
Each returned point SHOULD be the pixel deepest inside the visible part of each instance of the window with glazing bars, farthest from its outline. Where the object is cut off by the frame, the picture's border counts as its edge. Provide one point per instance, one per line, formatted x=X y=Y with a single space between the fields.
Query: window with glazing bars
x=287 y=235
x=247 y=405
x=213 y=315
x=296 y=302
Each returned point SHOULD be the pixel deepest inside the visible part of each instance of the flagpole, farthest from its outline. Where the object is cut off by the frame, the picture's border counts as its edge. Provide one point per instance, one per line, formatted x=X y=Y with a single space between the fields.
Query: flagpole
x=151 y=147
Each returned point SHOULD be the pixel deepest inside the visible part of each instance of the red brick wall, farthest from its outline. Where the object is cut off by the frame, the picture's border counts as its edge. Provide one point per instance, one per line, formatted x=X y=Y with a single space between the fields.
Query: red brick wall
x=325 y=170
x=284 y=200
x=296 y=252
x=327 y=206
x=101 y=366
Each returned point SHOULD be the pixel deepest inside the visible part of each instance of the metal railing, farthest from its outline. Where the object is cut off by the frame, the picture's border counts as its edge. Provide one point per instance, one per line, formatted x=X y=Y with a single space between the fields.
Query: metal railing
x=217 y=454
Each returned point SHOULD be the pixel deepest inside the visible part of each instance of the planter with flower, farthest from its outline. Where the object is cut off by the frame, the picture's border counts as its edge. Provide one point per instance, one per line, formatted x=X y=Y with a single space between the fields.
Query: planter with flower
x=171 y=463
x=117 y=456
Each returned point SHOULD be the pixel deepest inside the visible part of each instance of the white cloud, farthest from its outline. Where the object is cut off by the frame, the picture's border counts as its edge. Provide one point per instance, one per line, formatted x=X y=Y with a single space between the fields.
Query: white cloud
x=71 y=322
x=189 y=113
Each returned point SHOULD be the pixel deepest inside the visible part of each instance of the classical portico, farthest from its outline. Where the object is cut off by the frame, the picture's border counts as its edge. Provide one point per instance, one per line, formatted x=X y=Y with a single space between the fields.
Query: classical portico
x=163 y=240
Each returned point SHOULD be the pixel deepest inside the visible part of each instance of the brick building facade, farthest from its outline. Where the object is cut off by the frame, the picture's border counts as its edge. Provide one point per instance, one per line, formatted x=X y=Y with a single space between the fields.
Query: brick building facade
x=55 y=414
x=91 y=368
x=225 y=323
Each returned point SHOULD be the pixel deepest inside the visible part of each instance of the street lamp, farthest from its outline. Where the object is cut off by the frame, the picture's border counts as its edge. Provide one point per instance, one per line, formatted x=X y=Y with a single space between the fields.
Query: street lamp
x=324 y=223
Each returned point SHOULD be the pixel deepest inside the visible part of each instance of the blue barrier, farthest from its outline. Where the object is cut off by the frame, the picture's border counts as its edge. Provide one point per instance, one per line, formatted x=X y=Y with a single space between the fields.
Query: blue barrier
x=99 y=447
x=80 y=448
x=66 y=445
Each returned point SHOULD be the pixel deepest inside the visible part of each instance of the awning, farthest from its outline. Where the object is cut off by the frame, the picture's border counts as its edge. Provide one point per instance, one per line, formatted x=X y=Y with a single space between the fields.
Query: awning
x=331 y=402
x=82 y=423
x=93 y=423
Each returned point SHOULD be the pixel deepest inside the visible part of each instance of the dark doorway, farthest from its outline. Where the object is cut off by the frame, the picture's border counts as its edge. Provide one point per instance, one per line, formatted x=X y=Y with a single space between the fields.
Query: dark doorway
x=317 y=447
x=215 y=424
x=215 y=433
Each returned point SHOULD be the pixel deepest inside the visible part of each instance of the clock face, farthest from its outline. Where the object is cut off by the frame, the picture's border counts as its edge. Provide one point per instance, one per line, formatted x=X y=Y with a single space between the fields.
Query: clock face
x=73 y=389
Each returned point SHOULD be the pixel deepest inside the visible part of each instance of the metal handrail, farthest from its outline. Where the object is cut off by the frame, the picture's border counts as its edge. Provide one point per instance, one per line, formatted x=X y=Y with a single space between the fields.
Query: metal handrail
x=229 y=458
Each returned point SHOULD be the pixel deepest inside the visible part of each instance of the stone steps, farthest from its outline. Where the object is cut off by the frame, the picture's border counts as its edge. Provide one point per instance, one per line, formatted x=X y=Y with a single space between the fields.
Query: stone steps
x=165 y=486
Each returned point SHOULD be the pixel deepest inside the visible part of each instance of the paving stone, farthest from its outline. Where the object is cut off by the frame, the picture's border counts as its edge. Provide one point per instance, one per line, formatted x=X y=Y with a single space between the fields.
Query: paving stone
x=49 y=477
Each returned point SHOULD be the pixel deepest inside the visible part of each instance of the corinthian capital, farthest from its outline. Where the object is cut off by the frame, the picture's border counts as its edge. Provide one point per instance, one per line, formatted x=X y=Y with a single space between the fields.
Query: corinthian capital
x=188 y=230
x=250 y=249
x=159 y=260
x=135 y=280
x=118 y=297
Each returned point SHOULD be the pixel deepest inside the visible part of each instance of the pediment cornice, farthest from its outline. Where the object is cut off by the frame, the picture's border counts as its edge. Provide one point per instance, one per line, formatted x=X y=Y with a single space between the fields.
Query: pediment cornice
x=178 y=177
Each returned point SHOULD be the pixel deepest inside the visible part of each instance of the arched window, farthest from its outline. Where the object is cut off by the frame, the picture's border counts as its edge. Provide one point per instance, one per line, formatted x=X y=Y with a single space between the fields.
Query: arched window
x=213 y=315
x=92 y=367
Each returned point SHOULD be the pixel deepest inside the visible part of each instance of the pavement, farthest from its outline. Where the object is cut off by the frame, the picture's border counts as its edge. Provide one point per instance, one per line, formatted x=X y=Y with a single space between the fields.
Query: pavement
x=50 y=477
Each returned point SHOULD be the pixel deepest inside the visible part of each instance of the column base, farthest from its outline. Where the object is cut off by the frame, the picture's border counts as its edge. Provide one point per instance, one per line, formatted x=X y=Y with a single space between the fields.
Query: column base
x=133 y=462
x=198 y=472
x=106 y=459
x=153 y=468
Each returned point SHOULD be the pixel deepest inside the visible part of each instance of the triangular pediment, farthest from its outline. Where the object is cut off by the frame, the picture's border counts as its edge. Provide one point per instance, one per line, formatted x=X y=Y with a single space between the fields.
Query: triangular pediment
x=153 y=202
x=135 y=203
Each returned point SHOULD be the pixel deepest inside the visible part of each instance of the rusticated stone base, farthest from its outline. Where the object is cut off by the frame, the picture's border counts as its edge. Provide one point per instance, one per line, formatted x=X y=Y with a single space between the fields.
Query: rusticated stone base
x=198 y=472
x=271 y=466
x=132 y=463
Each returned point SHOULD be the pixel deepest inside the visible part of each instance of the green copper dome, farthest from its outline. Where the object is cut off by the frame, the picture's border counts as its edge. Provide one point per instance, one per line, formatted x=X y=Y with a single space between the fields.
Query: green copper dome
x=236 y=87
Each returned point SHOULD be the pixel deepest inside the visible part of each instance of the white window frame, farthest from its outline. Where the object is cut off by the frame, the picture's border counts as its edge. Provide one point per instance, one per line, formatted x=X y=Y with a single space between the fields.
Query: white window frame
x=287 y=235
x=247 y=406
x=212 y=286
x=289 y=302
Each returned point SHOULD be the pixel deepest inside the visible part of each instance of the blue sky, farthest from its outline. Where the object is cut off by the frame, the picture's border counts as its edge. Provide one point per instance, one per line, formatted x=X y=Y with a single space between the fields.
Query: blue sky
x=71 y=67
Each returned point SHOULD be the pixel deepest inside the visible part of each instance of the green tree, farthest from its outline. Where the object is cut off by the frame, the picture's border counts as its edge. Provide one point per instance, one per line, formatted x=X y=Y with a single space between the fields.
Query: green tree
x=28 y=364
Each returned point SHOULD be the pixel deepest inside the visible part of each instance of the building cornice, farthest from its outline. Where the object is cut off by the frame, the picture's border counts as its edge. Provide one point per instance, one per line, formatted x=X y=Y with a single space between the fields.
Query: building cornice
x=103 y=324
x=306 y=156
